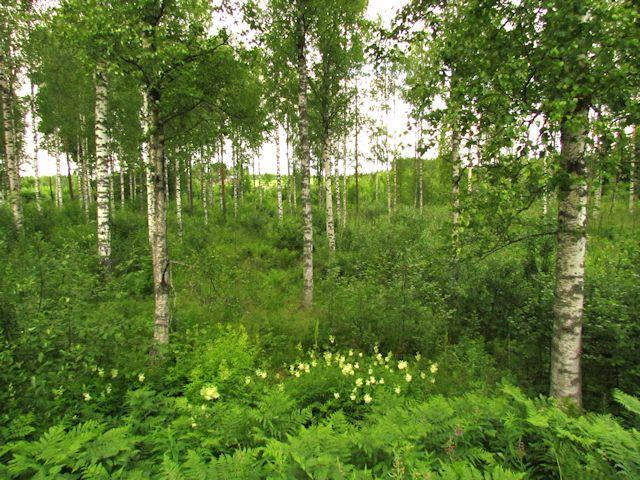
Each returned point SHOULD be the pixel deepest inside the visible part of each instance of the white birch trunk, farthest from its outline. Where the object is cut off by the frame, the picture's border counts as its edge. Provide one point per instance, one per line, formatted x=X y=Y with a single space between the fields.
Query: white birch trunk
x=103 y=167
x=338 y=190
x=635 y=152
x=345 y=189
x=36 y=166
x=326 y=160
x=58 y=179
x=307 y=215
x=11 y=156
x=203 y=189
x=122 y=183
x=566 y=375
x=178 y=187
x=278 y=177
x=455 y=188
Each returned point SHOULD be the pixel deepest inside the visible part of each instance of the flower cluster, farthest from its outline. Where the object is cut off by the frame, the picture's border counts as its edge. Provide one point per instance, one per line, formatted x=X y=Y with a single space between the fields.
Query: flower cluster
x=366 y=376
x=209 y=392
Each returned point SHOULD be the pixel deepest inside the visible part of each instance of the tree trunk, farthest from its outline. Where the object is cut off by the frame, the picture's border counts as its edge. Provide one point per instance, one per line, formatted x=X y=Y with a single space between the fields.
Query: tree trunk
x=357 y=157
x=84 y=180
x=307 y=274
x=102 y=166
x=122 y=183
x=566 y=375
x=345 y=185
x=189 y=184
x=58 y=180
x=69 y=174
x=147 y=161
x=178 y=197
x=326 y=161
x=236 y=179
x=203 y=189
x=455 y=188
x=12 y=159
x=223 y=187
x=159 y=247
x=635 y=152
x=278 y=177
x=36 y=167
x=338 y=190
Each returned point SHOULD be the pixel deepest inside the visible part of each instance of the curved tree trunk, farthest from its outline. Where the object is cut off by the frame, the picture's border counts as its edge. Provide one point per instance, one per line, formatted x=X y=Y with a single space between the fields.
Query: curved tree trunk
x=307 y=274
x=566 y=375
x=103 y=167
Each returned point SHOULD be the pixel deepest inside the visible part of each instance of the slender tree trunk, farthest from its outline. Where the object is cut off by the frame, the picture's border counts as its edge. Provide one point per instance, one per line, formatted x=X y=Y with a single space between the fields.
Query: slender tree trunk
x=357 y=157
x=307 y=274
x=131 y=174
x=289 y=178
x=69 y=174
x=159 y=246
x=102 y=165
x=278 y=177
x=236 y=178
x=189 y=184
x=147 y=161
x=84 y=180
x=11 y=155
x=566 y=351
x=36 y=167
x=388 y=179
x=338 y=190
x=635 y=153
x=223 y=187
x=326 y=161
x=178 y=197
x=203 y=189
x=345 y=186
x=122 y=183
x=58 y=180
x=455 y=187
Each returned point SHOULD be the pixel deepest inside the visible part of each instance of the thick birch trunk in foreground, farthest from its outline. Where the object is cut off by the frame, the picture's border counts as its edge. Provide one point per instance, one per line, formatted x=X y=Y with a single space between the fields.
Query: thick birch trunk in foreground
x=159 y=247
x=148 y=166
x=566 y=351
x=279 y=177
x=12 y=160
x=326 y=160
x=36 y=166
x=307 y=256
x=103 y=167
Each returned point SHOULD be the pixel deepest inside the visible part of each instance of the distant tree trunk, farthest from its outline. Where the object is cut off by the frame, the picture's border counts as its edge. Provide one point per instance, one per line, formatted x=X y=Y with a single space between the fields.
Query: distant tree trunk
x=345 y=186
x=36 y=167
x=357 y=157
x=203 y=189
x=112 y=174
x=236 y=179
x=122 y=183
x=455 y=187
x=223 y=187
x=278 y=177
x=289 y=178
x=395 y=180
x=189 y=184
x=58 y=180
x=11 y=154
x=635 y=153
x=326 y=161
x=305 y=161
x=102 y=165
x=84 y=180
x=388 y=179
x=69 y=174
x=338 y=190
x=545 y=194
x=159 y=246
x=566 y=375
x=420 y=171
x=178 y=197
